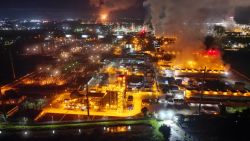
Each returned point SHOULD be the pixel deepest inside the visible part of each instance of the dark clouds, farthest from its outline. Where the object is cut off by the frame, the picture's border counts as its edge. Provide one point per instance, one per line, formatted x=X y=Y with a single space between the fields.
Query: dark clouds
x=58 y=8
x=242 y=15
x=57 y=4
x=44 y=8
x=74 y=8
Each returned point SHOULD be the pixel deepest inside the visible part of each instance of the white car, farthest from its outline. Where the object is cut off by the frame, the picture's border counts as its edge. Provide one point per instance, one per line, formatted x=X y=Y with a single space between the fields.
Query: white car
x=210 y=110
x=178 y=101
x=170 y=101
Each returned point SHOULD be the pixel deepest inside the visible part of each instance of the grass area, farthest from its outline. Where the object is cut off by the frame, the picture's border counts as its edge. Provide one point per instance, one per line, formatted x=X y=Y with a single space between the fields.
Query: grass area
x=235 y=109
x=157 y=134
x=68 y=125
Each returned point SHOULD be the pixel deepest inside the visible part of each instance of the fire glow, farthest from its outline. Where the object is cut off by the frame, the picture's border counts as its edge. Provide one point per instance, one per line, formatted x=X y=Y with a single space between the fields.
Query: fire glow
x=200 y=60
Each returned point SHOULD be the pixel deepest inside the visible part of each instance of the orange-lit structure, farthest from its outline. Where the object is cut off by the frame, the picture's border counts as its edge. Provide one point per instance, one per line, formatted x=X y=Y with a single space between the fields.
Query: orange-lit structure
x=232 y=98
x=209 y=61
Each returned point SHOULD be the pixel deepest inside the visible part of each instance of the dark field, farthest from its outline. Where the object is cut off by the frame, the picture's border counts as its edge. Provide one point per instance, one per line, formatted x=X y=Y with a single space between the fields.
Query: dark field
x=23 y=65
x=239 y=61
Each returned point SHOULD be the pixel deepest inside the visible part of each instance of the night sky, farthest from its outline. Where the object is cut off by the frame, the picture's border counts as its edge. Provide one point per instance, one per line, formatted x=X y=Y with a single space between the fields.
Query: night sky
x=58 y=9
x=61 y=9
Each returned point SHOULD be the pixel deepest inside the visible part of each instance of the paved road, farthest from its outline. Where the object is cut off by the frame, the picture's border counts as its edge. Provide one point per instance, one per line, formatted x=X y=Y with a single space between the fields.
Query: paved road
x=177 y=133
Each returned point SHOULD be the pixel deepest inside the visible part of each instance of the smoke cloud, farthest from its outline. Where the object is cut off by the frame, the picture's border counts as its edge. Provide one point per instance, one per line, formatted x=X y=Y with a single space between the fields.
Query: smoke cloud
x=186 y=20
x=108 y=6
x=175 y=16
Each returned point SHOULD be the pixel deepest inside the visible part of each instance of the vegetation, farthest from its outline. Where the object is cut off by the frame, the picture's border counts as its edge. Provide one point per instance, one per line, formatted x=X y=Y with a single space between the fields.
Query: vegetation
x=144 y=110
x=165 y=130
x=157 y=135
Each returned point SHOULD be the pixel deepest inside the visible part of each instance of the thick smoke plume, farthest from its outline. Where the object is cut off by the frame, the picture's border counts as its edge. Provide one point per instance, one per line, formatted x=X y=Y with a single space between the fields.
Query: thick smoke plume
x=185 y=19
x=108 y=6
x=175 y=16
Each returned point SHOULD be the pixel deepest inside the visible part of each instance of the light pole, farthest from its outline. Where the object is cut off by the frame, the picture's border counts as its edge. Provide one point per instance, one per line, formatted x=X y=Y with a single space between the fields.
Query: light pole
x=8 y=45
x=3 y=104
x=52 y=119
x=202 y=88
x=87 y=94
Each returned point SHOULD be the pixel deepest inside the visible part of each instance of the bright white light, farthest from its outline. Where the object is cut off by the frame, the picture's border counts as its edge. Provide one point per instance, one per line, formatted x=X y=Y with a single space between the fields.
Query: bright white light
x=35 y=21
x=129 y=127
x=0 y=132
x=84 y=36
x=164 y=115
x=100 y=36
x=104 y=128
x=175 y=119
x=25 y=133
x=170 y=114
x=119 y=37
x=179 y=96
x=79 y=130
x=168 y=122
x=53 y=131
x=161 y=101
x=226 y=73
x=176 y=73
x=56 y=72
x=68 y=36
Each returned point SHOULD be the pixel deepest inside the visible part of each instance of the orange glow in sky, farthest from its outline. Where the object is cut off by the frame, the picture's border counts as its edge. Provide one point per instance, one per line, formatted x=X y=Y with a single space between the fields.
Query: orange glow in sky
x=104 y=16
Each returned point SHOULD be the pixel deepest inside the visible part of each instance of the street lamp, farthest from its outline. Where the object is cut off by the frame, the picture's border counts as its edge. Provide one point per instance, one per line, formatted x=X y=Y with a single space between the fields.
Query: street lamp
x=79 y=130
x=129 y=127
x=8 y=44
x=202 y=89
x=87 y=94
x=52 y=119
x=25 y=133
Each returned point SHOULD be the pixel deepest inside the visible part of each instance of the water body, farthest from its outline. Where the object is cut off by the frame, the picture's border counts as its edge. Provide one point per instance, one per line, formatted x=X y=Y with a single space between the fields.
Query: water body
x=112 y=133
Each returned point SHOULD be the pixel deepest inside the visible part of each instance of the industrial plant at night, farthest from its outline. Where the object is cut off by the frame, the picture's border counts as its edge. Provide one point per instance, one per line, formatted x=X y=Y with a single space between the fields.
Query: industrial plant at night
x=139 y=70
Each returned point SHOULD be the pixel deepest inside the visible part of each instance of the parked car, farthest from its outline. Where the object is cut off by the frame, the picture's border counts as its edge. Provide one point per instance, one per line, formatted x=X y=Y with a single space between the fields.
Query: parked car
x=178 y=101
x=170 y=101
x=210 y=110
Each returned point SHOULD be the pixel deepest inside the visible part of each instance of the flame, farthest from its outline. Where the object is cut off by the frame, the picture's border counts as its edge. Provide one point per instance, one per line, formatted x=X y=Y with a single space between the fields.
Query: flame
x=198 y=61
x=104 y=16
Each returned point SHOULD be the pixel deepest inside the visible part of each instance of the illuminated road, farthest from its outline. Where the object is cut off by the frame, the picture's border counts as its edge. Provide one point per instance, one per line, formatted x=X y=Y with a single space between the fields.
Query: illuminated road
x=16 y=82
x=92 y=112
x=177 y=133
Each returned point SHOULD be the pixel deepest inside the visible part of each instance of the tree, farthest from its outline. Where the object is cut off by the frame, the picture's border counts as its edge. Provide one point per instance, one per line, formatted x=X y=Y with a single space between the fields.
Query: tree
x=4 y=117
x=144 y=110
x=165 y=130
